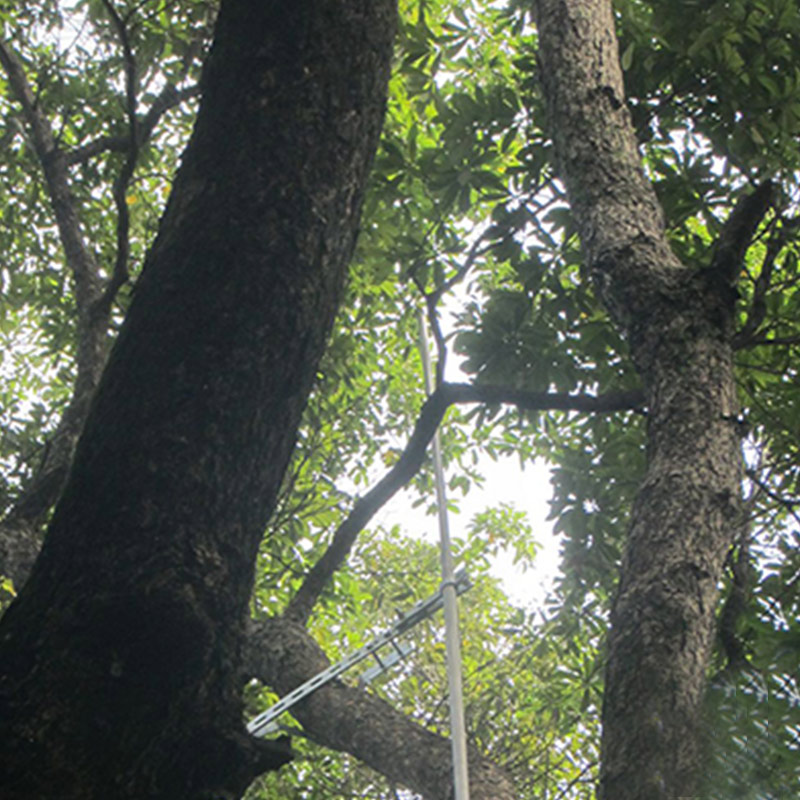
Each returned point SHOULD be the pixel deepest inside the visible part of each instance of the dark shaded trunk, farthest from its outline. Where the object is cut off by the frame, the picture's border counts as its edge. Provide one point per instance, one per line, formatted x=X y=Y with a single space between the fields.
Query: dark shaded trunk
x=121 y=659
x=679 y=324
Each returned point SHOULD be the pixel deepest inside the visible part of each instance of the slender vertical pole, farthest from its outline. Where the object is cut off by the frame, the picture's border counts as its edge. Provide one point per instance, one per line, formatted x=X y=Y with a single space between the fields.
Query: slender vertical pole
x=458 y=733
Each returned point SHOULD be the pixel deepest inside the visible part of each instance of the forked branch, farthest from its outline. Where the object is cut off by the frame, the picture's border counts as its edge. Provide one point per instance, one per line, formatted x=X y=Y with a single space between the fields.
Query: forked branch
x=79 y=258
x=168 y=98
x=409 y=463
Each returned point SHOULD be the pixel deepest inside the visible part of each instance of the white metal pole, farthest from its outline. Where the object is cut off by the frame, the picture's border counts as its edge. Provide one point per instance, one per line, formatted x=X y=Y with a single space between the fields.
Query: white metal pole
x=458 y=732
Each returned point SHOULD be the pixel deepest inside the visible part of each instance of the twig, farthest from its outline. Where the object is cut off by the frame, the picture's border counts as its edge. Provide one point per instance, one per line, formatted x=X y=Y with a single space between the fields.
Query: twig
x=166 y=100
x=581 y=776
x=788 y=503
x=446 y=394
x=750 y=333
x=758 y=341
x=432 y=299
x=475 y=251
x=438 y=338
x=119 y=274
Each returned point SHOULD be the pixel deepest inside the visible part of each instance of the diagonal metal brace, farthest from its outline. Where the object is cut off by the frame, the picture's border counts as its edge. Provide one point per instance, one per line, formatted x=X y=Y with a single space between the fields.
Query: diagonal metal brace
x=384 y=662
x=265 y=722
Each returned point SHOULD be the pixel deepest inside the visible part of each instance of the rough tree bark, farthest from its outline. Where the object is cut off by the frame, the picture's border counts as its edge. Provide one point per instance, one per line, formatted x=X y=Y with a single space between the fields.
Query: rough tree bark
x=393 y=739
x=120 y=662
x=678 y=320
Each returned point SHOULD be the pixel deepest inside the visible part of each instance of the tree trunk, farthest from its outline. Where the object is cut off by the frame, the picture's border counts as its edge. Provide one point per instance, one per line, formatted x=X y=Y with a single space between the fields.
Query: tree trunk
x=120 y=662
x=679 y=324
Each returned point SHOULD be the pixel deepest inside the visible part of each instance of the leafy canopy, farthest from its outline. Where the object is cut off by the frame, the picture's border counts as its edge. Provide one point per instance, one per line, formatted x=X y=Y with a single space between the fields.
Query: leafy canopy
x=464 y=217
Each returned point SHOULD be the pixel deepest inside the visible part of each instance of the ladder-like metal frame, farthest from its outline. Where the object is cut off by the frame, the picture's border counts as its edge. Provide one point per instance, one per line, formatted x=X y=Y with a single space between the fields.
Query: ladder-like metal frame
x=265 y=723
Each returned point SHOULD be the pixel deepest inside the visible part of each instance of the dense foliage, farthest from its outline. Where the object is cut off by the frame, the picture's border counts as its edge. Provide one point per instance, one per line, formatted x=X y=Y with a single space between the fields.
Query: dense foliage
x=465 y=219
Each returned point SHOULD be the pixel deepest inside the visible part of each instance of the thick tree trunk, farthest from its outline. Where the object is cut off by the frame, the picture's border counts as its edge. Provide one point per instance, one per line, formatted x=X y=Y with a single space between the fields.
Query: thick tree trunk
x=120 y=660
x=678 y=322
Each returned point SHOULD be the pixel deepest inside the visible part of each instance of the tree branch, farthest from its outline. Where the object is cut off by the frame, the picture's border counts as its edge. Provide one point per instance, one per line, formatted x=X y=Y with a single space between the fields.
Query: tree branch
x=475 y=251
x=750 y=334
x=119 y=274
x=20 y=531
x=760 y=341
x=79 y=258
x=432 y=301
x=283 y=655
x=432 y=315
x=447 y=394
x=742 y=578
x=169 y=98
x=739 y=230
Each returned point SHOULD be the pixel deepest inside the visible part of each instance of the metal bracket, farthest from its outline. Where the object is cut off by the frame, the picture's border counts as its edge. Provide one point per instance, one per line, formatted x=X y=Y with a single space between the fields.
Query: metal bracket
x=265 y=722
x=399 y=651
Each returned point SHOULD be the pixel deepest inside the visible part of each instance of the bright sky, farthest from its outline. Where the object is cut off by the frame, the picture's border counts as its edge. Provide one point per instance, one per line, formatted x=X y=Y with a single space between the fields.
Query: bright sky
x=527 y=491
